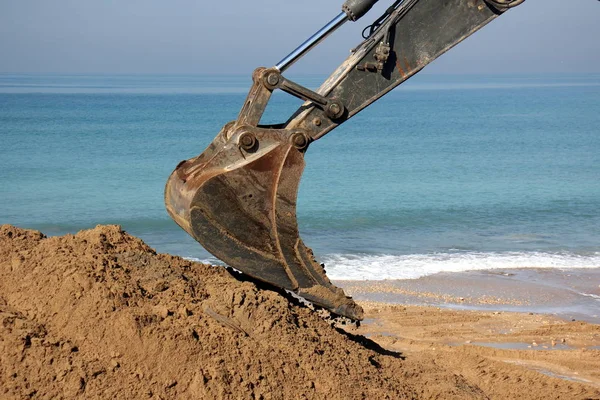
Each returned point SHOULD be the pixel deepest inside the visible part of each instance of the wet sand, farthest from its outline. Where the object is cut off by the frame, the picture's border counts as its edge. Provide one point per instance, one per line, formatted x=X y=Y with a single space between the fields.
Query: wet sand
x=569 y=294
x=529 y=320
x=495 y=348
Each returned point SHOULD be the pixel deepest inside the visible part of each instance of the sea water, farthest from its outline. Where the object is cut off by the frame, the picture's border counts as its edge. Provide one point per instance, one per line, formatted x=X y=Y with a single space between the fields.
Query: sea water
x=445 y=173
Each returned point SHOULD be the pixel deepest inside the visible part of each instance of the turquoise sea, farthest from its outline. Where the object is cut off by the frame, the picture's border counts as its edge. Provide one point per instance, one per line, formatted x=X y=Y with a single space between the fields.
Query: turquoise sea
x=446 y=173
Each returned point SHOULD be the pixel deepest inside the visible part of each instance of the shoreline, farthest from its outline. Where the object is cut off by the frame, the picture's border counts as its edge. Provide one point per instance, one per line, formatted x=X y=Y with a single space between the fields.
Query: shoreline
x=571 y=294
x=543 y=321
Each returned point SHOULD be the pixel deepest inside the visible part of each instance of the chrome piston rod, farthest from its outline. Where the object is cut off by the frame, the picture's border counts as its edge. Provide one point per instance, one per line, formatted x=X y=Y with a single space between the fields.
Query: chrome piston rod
x=311 y=42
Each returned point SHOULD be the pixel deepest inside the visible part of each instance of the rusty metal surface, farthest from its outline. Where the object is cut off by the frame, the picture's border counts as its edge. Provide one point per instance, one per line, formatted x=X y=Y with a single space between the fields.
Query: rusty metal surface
x=238 y=199
x=420 y=32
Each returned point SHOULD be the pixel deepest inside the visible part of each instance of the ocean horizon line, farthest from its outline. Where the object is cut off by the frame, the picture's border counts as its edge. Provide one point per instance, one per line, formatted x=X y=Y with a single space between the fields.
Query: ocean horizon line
x=308 y=74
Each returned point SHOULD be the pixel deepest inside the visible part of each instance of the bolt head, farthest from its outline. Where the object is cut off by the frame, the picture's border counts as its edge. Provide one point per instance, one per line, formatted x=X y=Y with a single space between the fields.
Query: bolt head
x=273 y=79
x=299 y=140
x=334 y=108
x=247 y=140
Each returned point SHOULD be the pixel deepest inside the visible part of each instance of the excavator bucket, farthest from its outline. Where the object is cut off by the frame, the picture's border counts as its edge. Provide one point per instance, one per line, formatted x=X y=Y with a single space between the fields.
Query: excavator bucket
x=238 y=199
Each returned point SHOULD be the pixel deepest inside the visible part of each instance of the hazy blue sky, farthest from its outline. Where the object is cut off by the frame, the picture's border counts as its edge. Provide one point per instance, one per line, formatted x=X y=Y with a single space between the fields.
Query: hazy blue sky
x=234 y=36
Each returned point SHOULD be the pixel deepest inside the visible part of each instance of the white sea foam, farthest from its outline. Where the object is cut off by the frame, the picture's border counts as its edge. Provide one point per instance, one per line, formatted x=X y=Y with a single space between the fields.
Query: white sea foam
x=593 y=296
x=380 y=267
x=413 y=266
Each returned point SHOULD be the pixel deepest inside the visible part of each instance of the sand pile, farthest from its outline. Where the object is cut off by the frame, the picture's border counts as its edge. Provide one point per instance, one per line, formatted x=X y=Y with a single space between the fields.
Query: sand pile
x=100 y=314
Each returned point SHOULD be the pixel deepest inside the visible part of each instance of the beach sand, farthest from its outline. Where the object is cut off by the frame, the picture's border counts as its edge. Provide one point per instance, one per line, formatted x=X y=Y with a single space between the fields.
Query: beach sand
x=495 y=349
x=101 y=315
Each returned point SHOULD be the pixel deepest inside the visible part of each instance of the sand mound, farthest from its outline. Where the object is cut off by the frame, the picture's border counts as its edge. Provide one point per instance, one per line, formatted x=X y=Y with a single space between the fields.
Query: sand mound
x=100 y=314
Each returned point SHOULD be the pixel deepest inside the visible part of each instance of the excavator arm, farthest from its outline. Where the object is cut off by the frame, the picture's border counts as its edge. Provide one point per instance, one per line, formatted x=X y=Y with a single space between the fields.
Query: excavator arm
x=238 y=198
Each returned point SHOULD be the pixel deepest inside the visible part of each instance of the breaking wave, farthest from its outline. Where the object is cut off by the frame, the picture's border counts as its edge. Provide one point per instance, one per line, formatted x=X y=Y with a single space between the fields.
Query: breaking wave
x=413 y=266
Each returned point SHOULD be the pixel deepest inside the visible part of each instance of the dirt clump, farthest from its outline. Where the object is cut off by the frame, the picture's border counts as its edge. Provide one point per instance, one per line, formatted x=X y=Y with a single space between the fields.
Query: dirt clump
x=100 y=314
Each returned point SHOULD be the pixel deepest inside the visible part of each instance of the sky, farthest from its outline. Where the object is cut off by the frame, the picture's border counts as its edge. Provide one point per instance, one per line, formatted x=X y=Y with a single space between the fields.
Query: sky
x=236 y=36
